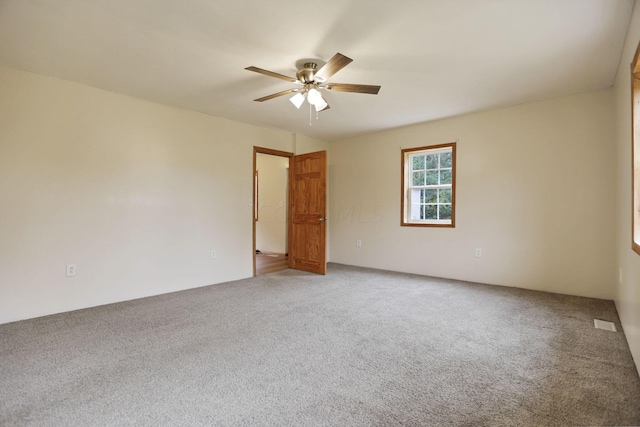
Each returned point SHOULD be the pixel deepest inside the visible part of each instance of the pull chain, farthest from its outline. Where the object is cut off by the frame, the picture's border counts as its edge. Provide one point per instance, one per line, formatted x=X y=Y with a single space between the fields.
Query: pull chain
x=311 y=116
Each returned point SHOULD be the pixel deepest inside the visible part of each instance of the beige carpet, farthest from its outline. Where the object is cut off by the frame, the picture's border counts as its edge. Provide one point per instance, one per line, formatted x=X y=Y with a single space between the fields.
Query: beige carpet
x=357 y=347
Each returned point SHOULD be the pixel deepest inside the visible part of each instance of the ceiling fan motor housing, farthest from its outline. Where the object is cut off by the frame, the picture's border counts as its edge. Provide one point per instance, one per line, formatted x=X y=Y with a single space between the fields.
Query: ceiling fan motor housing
x=308 y=72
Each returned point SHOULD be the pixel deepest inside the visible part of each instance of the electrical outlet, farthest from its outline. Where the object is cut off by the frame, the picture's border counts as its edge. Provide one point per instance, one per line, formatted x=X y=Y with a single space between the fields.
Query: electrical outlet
x=478 y=252
x=358 y=243
x=214 y=255
x=71 y=270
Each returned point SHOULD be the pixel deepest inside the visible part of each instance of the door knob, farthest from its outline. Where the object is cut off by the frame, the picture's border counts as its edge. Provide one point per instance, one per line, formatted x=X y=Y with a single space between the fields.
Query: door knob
x=323 y=219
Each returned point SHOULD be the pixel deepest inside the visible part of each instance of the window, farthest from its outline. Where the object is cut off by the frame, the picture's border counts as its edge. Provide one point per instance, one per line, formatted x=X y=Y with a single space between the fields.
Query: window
x=429 y=186
x=635 y=152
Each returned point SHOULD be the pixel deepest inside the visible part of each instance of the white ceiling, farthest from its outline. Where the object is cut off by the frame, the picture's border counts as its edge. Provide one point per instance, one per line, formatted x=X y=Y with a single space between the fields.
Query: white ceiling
x=433 y=58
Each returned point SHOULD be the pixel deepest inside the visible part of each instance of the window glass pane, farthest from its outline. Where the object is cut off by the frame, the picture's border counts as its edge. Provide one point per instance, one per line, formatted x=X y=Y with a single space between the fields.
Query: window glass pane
x=418 y=163
x=445 y=176
x=431 y=212
x=418 y=178
x=445 y=196
x=432 y=161
x=430 y=196
x=432 y=178
x=445 y=160
x=445 y=211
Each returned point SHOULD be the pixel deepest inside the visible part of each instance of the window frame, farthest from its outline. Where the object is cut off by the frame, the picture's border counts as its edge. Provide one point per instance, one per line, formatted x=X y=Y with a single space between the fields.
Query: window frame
x=405 y=202
x=635 y=152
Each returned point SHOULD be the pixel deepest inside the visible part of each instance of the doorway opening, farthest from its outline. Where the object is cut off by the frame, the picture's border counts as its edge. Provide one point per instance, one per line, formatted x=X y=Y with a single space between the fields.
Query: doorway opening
x=271 y=210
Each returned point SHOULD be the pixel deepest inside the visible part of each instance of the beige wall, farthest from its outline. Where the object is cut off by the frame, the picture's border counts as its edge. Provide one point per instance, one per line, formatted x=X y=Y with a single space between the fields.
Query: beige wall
x=627 y=296
x=136 y=194
x=305 y=144
x=271 y=227
x=534 y=191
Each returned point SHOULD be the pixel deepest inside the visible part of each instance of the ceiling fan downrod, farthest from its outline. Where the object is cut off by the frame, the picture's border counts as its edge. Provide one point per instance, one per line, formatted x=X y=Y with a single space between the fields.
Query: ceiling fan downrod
x=307 y=74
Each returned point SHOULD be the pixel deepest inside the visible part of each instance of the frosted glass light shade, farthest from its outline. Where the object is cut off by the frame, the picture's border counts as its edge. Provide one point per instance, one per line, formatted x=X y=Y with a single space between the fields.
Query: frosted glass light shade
x=297 y=99
x=314 y=96
x=320 y=104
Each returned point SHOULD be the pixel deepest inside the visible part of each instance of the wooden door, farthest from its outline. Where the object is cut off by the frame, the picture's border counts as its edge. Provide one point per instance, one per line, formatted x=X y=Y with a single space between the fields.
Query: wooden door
x=307 y=204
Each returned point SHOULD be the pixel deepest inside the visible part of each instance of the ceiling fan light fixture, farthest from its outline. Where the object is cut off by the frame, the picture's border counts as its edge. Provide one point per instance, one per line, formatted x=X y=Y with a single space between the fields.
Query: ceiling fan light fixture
x=297 y=99
x=314 y=96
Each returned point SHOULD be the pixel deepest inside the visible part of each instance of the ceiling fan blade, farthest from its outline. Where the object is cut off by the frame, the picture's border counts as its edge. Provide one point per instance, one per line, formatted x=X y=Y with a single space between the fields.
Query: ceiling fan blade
x=275 y=95
x=347 y=87
x=272 y=74
x=335 y=64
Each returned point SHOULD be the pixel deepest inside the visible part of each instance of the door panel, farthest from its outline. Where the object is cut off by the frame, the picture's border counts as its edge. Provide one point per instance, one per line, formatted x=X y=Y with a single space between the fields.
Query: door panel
x=307 y=243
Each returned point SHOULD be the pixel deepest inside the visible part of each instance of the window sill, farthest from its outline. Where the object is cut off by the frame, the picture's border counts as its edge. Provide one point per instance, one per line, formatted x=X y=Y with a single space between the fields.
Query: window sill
x=428 y=224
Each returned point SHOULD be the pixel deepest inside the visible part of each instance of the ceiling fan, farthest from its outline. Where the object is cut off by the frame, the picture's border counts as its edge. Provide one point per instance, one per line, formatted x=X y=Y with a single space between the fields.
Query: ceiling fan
x=313 y=80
